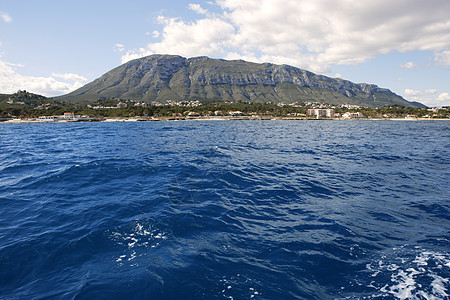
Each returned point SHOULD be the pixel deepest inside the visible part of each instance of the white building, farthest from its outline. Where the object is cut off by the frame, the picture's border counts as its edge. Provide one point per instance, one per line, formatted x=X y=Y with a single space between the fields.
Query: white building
x=329 y=112
x=352 y=115
x=47 y=118
x=235 y=113
x=68 y=116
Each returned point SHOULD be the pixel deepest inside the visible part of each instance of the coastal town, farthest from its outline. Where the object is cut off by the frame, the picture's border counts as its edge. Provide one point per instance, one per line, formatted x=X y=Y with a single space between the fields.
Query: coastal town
x=27 y=107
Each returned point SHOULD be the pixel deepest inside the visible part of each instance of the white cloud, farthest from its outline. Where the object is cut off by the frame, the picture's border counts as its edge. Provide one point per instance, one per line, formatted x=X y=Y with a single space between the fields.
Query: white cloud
x=119 y=47
x=308 y=34
x=206 y=36
x=444 y=97
x=162 y=20
x=155 y=34
x=197 y=8
x=442 y=58
x=428 y=97
x=70 y=76
x=408 y=65
x=5 y=17
x=11 y=81
x=430 y=91
x=412 y=93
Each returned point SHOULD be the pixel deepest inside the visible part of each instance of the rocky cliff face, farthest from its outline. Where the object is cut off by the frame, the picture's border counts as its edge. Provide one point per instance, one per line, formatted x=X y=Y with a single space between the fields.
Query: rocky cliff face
x=165 y=77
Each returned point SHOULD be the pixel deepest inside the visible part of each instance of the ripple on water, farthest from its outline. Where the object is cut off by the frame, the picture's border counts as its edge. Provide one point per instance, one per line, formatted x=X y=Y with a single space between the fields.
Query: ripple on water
x=237 y=210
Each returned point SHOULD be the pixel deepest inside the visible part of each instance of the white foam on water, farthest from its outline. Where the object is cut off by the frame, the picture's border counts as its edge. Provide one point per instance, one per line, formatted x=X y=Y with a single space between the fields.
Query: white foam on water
x=240 y=282
x=405 y=284
x=137 y=242
x=411 y=273
x=438 y=286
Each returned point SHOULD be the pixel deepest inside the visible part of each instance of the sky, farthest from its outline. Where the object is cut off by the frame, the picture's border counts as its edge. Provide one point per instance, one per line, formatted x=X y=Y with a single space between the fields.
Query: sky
x=52 y=47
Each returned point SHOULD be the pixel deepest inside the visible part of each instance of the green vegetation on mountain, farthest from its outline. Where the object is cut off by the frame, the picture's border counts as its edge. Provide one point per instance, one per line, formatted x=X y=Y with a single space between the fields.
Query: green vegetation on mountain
x=27 y=105
x=166 y=78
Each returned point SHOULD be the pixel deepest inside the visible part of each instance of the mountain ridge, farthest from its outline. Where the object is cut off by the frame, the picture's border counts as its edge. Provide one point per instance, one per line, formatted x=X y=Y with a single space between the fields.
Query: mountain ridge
x=160 y=78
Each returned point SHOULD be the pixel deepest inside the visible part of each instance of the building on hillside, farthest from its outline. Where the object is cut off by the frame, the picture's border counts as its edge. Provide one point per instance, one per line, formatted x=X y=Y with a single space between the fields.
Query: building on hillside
x=121 y=105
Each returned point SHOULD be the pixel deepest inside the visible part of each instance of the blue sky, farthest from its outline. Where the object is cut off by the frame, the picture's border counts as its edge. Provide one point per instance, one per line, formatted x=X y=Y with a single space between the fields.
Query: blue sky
x=52 y=47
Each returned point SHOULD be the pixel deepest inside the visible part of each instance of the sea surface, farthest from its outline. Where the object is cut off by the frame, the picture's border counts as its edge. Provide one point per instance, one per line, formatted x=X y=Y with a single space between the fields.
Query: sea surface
x=225 y=210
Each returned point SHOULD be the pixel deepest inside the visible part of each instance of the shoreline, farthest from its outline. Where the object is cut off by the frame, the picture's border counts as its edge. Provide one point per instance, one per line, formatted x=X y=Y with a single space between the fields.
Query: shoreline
x=217 y=118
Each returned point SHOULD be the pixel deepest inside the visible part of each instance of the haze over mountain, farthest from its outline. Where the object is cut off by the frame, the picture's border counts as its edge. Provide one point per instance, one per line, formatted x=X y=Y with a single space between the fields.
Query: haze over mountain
x=168 y=77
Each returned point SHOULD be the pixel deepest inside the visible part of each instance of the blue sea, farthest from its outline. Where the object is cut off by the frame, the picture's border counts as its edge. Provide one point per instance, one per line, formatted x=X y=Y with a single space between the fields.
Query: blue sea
x=225 y=210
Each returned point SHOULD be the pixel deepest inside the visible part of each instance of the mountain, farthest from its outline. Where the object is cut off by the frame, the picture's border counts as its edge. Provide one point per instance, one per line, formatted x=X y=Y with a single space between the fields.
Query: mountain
x=167 y=77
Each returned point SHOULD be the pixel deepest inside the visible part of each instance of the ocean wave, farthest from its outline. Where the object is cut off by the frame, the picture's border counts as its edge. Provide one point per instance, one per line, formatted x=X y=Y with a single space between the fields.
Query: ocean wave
x=212 y=210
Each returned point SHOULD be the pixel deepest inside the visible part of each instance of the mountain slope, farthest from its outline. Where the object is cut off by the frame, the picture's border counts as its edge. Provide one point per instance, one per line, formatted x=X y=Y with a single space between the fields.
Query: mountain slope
x=166 y=77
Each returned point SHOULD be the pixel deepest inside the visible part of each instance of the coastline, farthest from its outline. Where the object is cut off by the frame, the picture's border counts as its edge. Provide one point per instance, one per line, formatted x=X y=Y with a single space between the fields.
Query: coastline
x=219 y=118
